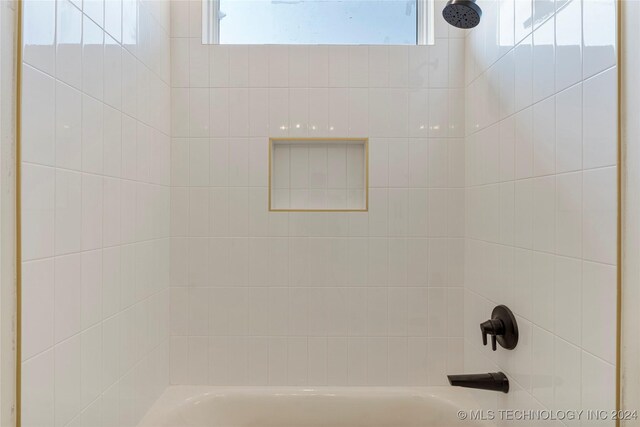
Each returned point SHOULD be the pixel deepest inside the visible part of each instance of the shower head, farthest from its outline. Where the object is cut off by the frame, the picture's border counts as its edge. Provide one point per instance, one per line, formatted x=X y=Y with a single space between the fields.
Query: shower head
x=462 y=13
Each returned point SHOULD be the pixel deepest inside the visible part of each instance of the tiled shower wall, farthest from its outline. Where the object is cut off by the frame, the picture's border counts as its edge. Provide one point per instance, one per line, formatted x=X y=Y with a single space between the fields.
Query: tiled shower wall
x=541 y=198
x=95 y=210
x=261 y=297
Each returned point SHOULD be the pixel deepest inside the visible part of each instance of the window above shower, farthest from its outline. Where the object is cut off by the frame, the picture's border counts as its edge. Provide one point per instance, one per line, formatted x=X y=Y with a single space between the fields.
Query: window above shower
x=318 y=22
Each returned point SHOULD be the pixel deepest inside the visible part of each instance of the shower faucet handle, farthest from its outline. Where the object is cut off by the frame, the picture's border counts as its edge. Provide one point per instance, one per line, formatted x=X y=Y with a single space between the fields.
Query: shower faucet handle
x=491 y=327
x=502 y=327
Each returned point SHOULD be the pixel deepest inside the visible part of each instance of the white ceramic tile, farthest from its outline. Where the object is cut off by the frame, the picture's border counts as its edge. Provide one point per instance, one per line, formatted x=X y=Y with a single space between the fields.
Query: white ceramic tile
x=544 y=60
x=94 y=9
x=379 y=64
x=599 y=36
x=68 y=395
x=92 y=211
x=238 y=112
x=111 y=281
x=92 y=58
x=544 y=138
x=198 y=63
x=377 y=361
x=113 y=19
x=67 y=296
x=68 y=212
x=598 y=291
x=568 y=130
x=542 y=378
x=523 y=19
x=96 y=139
x=219 y=111
x=278 y=66
x=39 y=117
x=318 y=111
x=569 y=214
x=199 y=112
x=180 y=112
x=198 y=360
x=418 y=66
x=599 y=120
x=523 y=236
x=198 y=165
x=277 y=357
x=278 y=112
x=598 y=383
x=219 y=66
x=523 y=70
x=258 y=112
x=39 y=35
x=92 y=135
x=258 y=63
x=299 y=66
x=397 y=111
x=507 y=149
x=38 y=384
x=180 y=62
x=398 y=66
x=68 y=44
x=358 y=112
x=417 y=364
x=239 y=211
x=568 y=45
x=543 y=291
x=91 y=288
x=524 y=143
x=338 y=111
x=548 y=126
x=439 y=63
x=318 y=66
x=358 y=66
x=39 y=38
x=38 y=203
x=398 y=161
x=599 y=215
x=129 y=88
x=91 y=364
x=298 y=112
x=567 y=381
x=38 y=297
x=338 y=66
x=544 y=213
x=456 y=63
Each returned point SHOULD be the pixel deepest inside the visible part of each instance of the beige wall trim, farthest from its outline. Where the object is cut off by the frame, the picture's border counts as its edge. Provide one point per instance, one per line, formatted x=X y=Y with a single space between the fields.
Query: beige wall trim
x=9 y=134
x=628 y=363
x=619 y=213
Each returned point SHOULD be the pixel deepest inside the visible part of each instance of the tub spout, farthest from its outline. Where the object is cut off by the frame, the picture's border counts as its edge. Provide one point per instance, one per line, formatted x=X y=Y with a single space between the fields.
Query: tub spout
x=496 y=381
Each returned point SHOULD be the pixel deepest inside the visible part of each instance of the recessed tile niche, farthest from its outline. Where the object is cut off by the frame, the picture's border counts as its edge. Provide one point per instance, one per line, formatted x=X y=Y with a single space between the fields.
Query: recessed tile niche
x=329 y=174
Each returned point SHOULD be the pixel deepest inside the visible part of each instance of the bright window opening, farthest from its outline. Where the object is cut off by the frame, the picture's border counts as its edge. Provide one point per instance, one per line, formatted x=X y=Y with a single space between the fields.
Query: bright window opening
x=311 y=22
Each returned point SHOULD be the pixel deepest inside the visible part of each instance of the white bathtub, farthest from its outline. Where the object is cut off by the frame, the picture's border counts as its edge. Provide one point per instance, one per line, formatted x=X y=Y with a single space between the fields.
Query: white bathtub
x=189 y=406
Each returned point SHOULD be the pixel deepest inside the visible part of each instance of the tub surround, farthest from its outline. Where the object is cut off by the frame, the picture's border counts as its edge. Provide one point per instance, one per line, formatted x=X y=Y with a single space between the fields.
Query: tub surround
x=316 y=298
x=150 y=255
x=541 y=194
x=95 y=211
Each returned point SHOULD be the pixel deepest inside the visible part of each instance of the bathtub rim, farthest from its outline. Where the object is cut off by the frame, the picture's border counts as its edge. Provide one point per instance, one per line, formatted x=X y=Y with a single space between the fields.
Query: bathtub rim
x=176 y=397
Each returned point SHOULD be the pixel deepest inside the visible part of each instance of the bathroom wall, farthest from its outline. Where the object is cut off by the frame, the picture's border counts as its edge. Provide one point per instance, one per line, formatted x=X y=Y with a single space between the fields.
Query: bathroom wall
x=541 y=194
x=95 y=210
x=261 y=297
